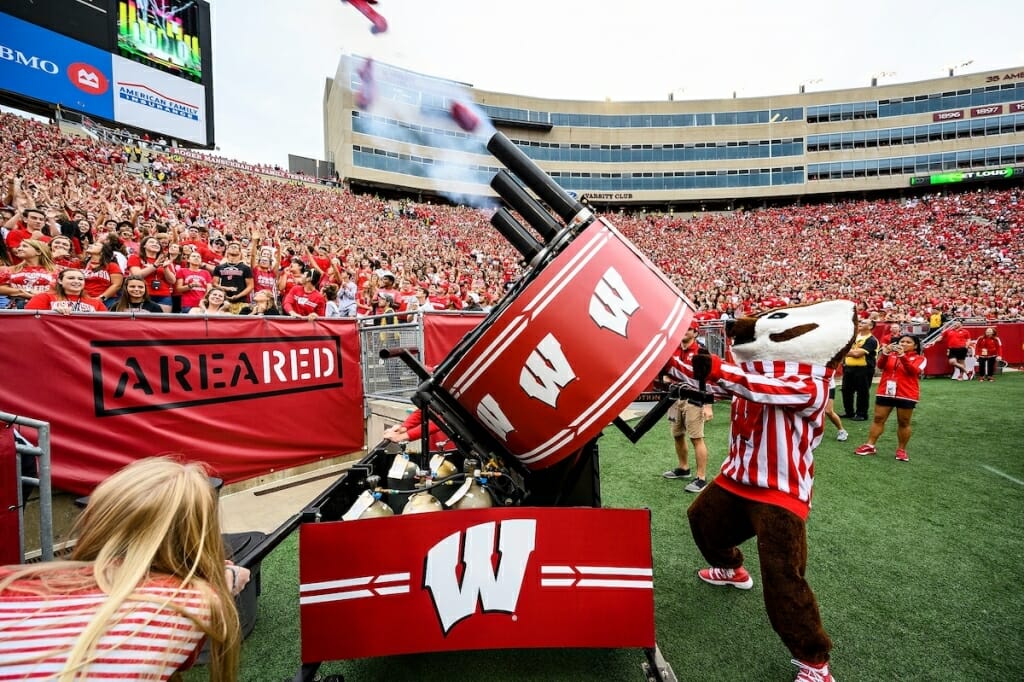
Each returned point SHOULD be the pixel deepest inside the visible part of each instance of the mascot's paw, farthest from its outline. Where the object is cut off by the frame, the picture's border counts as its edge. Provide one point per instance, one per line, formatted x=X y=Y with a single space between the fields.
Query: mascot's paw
x=706 y=366
x=701 y=366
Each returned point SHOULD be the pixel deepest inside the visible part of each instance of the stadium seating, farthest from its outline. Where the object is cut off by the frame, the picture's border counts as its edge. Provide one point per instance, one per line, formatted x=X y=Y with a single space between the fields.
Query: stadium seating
x=899 y=259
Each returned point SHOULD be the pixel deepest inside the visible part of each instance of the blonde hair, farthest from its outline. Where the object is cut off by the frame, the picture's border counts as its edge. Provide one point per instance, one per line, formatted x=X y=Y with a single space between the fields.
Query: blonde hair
x=45 y=258
x=155 y=516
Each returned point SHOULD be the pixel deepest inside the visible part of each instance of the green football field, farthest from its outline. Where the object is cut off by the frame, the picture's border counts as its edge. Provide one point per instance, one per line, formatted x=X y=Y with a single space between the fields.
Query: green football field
x=918 y=567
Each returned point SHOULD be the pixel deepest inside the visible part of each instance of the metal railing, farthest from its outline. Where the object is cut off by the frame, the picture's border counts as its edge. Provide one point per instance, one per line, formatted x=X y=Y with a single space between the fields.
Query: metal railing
x=388 y=378
x=41 y=450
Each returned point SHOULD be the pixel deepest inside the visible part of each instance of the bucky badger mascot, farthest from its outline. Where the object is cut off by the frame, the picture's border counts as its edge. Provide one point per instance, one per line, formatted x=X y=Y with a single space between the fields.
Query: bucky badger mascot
x=780 y=387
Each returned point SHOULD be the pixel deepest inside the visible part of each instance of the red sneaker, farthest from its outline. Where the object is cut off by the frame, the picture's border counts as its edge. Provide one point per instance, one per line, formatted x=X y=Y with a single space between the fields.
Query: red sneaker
x=866 y=449
x=901 y=455
x=737 y=577
x=812 y=673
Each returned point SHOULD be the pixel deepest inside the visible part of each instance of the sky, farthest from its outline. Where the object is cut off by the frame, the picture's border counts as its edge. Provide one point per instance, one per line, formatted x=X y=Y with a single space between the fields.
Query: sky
x=271 y=57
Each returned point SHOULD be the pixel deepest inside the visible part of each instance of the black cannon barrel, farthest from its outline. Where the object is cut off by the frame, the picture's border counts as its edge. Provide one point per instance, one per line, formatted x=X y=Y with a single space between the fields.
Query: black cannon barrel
x=533 y=213
x=515 y=233
x=567 y=208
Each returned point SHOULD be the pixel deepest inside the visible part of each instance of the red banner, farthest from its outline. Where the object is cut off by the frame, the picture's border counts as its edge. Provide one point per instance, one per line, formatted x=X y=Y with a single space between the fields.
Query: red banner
x=523 y=577
x=581 y=341
x=246 y=396
x=990 y=110
x=948 y=115
x=443 y=331
x=10 y=480
x=1011 y=335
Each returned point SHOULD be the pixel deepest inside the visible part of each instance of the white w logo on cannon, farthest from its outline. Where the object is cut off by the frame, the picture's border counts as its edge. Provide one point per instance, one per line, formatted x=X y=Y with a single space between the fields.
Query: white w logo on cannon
x=496 y=589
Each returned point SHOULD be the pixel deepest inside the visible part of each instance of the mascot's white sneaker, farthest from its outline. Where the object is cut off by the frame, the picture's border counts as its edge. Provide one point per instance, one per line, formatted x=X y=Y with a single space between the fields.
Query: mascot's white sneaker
x=811 y=673
x=737 y=577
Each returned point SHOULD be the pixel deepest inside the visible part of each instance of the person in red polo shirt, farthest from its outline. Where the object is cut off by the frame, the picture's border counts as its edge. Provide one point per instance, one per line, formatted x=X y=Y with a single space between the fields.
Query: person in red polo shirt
x=956 y=338
x=988 y=350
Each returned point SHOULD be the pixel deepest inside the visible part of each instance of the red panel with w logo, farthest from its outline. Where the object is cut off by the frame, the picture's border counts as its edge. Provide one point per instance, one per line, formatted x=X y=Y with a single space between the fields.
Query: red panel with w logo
x=523 y=577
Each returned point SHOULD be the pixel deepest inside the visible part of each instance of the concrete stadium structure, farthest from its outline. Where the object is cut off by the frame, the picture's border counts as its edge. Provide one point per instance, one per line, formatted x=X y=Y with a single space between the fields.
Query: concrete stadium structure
x=681 y=153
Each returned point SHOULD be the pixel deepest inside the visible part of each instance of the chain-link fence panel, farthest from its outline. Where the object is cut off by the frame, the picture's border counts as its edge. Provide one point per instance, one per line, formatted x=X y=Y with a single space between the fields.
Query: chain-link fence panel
x=388 y=378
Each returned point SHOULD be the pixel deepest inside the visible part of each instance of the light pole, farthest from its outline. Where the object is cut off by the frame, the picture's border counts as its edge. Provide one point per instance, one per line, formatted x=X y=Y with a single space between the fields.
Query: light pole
x=813 y=81
x=952 y=69
x=881 y=74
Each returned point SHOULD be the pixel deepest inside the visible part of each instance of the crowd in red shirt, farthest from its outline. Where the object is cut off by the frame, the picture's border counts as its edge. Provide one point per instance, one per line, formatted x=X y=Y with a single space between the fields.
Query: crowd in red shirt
x=899 y=259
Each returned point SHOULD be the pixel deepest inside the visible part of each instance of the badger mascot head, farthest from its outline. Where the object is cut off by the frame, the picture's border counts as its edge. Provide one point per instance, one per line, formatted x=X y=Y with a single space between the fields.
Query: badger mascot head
x=816 y=333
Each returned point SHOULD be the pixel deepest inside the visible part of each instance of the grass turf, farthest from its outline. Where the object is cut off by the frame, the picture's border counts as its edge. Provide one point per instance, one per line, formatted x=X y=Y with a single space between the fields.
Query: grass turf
x=917 y=566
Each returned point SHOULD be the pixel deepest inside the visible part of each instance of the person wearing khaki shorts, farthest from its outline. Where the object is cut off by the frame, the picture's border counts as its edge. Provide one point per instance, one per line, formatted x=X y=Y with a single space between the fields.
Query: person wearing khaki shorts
x=687 y=415
x=688 y=418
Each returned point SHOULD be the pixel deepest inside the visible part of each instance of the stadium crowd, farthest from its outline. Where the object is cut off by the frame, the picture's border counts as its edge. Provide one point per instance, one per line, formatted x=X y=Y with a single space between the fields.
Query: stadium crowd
x=311 y=250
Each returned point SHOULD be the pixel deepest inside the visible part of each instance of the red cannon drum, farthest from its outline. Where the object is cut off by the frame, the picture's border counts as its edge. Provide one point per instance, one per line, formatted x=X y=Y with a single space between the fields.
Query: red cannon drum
x=575 y=347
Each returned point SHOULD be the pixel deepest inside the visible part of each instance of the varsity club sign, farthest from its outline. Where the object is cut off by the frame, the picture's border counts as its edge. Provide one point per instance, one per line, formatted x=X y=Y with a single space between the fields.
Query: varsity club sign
x=524 y=577
x=572 y=350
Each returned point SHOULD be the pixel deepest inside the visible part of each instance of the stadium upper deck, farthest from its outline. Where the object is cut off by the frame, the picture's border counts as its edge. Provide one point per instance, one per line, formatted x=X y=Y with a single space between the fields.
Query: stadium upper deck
x=673 y=153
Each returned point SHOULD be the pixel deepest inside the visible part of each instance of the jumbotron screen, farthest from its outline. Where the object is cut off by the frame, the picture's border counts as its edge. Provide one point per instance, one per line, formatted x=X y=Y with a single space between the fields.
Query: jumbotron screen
x=164 y=33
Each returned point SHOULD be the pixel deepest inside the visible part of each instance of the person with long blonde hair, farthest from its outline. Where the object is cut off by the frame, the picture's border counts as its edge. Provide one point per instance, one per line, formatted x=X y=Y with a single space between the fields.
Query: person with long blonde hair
x=36 y=273
x=146 y=583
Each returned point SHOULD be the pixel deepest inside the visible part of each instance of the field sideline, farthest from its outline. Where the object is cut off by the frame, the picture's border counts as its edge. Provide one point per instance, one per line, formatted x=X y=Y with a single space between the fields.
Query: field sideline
x=917 y=566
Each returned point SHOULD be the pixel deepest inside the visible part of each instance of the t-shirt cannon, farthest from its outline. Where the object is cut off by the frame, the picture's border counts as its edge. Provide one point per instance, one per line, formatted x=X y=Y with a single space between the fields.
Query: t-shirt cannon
x=522 y=398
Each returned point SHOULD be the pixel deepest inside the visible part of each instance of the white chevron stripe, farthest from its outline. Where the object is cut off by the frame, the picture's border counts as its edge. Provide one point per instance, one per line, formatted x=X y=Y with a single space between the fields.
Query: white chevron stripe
x=557 y=569
x=638 y=584
x=614 y=570
x=335 y=596
x=397 y=589
x=335 y=584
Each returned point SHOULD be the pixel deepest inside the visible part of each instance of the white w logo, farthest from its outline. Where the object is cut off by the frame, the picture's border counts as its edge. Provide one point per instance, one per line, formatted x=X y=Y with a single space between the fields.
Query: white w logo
x=497 y=591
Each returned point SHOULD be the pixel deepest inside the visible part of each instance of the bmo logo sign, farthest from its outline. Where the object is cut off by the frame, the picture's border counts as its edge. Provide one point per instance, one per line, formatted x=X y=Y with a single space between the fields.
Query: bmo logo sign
x=29 y=61
x=88 y=78
x=50 y=67
x=572 y=350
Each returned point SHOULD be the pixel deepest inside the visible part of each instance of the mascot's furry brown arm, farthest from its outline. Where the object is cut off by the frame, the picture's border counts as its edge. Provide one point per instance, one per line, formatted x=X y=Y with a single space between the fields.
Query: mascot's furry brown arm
x=785 y=361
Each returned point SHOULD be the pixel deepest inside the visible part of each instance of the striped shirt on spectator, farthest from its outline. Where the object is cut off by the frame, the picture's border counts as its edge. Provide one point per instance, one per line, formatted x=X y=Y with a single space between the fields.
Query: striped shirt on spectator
x=144 y=640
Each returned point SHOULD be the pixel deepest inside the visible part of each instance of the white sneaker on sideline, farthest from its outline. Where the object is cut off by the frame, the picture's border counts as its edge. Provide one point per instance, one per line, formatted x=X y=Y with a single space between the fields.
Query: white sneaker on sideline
x=842 y=435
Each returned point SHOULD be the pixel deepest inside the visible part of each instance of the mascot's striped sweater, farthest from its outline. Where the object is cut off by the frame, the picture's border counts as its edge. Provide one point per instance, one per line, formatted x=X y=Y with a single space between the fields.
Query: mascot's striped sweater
x=777 y=422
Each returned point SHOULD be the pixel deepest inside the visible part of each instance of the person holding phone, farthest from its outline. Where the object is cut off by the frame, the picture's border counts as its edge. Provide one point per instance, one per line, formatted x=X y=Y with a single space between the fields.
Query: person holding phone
x=901 y=364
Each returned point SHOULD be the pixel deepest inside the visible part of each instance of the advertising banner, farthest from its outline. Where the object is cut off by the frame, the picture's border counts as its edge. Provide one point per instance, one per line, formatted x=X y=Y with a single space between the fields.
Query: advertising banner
x=246 y=396
x=157 y=101
x=522 y=577
x=47 y=66
x=443 y=331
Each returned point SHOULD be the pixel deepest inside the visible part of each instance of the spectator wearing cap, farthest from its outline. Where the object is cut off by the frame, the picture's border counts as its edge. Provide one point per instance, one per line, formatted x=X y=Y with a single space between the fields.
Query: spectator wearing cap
x=473 y=304
x=387 y=284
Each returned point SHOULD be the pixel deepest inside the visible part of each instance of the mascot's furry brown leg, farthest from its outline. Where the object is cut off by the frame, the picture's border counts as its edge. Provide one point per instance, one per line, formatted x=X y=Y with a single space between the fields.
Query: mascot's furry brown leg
x=779 y=389
x=720 y=521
